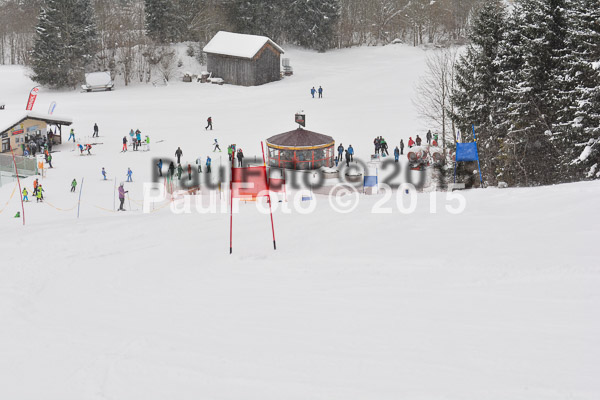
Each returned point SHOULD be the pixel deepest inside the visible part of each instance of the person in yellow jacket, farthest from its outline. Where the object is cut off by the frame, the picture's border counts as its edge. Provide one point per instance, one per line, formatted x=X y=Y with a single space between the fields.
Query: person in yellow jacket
x=39 y=196
x=25 y=194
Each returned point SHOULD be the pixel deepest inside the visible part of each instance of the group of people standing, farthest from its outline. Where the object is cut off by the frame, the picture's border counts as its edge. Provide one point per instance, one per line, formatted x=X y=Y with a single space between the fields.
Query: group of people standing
x=347 y=154
x=429 y=136
x=381 y=146
x=38 y=192
x=314 y=91
x=135 y=140
x=172 y=169
x=232 y=154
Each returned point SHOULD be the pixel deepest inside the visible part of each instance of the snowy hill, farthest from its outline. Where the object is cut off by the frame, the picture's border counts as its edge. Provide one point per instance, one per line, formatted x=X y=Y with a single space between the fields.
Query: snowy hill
x=496 y=302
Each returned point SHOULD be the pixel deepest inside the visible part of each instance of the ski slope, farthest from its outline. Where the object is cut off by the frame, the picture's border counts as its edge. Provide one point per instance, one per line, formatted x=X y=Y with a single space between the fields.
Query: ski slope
x=499 y=301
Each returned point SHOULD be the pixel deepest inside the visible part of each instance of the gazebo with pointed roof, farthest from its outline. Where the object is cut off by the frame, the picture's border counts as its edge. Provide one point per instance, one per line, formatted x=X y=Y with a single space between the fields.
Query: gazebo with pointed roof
x=301 y=149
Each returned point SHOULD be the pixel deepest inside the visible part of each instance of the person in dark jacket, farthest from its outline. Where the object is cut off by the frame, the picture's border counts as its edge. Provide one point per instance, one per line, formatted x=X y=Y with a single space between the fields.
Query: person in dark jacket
x=320 y=92
x=347 y=158
x=340 y=150
x=428 y=137
x=209 y=123
x=178 y=154
x=240 y=157
x=384 y=146
x=401 y=146
x=95 y=130
x=189 y=172
x=396 y=154
x=124 y=143
x=418 y=140
x=171 y=170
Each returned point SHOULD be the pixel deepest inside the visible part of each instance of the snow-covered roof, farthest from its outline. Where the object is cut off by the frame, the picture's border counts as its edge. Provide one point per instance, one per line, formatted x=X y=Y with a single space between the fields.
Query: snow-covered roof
x=238 y=44
x=8 y=119
x=98 y=78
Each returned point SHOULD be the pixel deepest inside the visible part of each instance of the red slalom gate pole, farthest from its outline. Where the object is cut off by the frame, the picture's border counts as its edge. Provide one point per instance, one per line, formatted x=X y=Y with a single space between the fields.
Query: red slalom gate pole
x=19 y=182
x=269 y=196
x=231 y=210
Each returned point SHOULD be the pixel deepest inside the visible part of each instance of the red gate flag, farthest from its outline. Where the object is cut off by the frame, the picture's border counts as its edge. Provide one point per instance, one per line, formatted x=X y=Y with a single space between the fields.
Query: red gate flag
x=249 y=183
x=32 y=97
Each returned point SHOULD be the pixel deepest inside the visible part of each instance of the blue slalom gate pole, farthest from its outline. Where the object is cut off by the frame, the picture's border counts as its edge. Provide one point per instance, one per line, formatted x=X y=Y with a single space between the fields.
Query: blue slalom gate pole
x=79 y=201
x=478 y=166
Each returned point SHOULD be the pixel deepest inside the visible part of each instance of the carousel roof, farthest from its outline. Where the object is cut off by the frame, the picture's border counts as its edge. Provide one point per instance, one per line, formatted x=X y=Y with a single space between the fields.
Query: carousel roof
x=300 y=138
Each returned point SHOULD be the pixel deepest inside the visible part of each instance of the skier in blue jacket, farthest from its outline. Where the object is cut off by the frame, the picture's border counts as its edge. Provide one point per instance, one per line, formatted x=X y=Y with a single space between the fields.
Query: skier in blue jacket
x=208 y=162
x=351 y=152
x=396 y=154
x=129 y=172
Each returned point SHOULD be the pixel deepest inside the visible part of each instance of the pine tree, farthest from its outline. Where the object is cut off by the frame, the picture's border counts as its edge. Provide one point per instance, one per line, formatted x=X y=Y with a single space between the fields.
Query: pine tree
x=584 y=37
x=64 y=44
x=161 y=23
x=260 y=17
x=313 y=24
x=476 y=98
x=537 y=50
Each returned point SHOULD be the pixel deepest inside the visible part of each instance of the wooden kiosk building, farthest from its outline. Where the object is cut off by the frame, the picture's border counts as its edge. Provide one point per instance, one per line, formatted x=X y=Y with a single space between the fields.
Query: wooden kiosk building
x=245 y=60
x=301 y=149
x=19 y=129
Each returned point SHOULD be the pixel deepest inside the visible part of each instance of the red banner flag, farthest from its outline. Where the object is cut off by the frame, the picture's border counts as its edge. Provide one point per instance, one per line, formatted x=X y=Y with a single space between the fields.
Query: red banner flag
x=32 y=97
x=249 y=183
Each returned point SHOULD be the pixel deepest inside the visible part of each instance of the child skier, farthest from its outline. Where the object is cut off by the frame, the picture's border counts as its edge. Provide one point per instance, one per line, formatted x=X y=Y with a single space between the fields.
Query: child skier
x=129 y=172
x=103 y=173
x=38 y=195
x=25 y=194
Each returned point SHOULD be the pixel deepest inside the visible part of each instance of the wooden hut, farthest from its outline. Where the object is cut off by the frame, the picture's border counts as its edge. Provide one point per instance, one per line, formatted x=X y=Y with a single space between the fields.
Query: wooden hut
x=18 y=129
x=301 y=149
x=245 y=60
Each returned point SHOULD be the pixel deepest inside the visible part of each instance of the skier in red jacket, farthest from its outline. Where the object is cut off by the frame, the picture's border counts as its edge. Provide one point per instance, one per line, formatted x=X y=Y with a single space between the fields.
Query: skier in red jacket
x=411 y=142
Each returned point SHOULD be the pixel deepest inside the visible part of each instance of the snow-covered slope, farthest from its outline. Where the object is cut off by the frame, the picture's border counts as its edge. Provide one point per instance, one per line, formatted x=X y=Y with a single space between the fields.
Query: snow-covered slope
x=497 y=302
